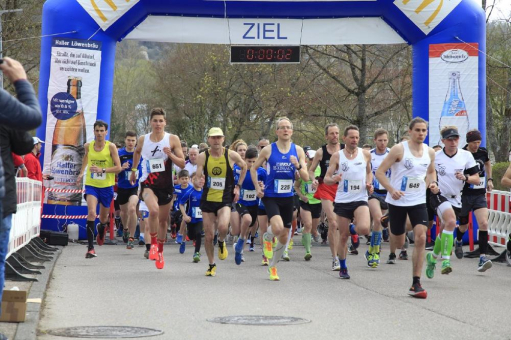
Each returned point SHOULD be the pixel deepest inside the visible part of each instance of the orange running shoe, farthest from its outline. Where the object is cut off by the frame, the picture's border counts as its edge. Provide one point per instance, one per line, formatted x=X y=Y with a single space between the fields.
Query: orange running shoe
x=153 y=253
x=160 y=261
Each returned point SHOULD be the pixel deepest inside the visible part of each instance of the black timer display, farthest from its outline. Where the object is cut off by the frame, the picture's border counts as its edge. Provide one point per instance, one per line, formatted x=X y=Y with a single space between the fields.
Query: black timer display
x=265 y=54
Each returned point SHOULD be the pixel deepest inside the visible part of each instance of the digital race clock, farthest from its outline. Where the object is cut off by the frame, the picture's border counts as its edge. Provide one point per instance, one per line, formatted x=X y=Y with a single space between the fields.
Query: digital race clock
x=265 y=54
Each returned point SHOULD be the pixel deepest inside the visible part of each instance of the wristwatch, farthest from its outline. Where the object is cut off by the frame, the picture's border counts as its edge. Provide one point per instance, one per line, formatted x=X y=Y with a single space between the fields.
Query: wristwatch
x=104 y=170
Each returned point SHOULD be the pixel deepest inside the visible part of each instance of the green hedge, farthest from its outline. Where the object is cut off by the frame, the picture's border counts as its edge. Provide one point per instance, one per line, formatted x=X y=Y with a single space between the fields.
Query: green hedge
x=498 y=170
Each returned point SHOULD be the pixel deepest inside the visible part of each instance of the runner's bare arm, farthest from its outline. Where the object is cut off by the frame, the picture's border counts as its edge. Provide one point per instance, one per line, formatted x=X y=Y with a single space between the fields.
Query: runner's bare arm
x=315 y=162
x=176 y=152
x=487 y=170
x=85 y=160
x=395 y=155
x=506 y=179
x=431 y=177
x=369 y=172
x=201 y=160
x=330 y=179
x=136 y=159
x=263 y=156
x=304 y=173
x=115 y=157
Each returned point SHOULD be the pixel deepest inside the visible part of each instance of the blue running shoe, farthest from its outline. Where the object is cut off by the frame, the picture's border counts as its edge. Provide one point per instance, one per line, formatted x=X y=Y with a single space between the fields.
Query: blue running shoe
x=238 y=249
x=343 y=273
x=179 y=238
x=182 y=248
x=141 y=240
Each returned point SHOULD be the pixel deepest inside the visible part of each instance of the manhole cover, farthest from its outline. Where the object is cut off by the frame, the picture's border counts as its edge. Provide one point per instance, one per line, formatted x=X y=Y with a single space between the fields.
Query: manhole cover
x=105 y=332
x=259 y=320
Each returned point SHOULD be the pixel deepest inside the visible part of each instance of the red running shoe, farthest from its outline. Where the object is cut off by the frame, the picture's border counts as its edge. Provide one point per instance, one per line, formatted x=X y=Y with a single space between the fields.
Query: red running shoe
x=91 y=254
x=153 y=253
x=417 y=291
x=160 y=262
x=100 y=238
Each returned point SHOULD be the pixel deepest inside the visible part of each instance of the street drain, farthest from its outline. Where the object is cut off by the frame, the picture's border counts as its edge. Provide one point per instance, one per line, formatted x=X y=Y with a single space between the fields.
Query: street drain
x=105 y=332
x=259 y=320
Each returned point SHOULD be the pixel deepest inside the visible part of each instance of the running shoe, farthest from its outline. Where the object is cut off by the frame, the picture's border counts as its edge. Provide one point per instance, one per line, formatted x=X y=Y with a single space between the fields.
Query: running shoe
x=153 y=253
x=403 y=255
x=248 y=241
x=430 y=265
x=125 y=235
x=375 y=262
x=343 y=273
x=146 y=254
x=316 y=238
x=291 y=243
x=273 y=274
x=368 y=242
x=179 y=238
x=242 y=257
x=211 y=270
x=392 y=259
x=238 y=247
x=275 y=242
x=182 y=248
x=100 y=238
x=141 y=241
x=222 y=250
x=484 y=264
x=173 y=232
x=160 y=261
x=285 y=256
x=417 y=291
x=130 y=244
x=458 y=249
x=265 y=261
x=307 y=256
x=251 y=248
x=267 y=246
x=446 y=267
x=355 y=242
x=256 y=235
x=91 y=254
x=335 y=265
x=352 y=250
x=196 y=257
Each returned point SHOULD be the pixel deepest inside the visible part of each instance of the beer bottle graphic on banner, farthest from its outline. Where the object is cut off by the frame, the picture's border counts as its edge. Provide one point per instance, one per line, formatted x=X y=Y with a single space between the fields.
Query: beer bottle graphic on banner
x=454 y=111
x=69 y=137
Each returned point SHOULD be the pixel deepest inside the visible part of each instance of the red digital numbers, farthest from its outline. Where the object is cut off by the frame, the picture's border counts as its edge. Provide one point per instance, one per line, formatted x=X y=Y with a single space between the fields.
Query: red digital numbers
x=266 y=54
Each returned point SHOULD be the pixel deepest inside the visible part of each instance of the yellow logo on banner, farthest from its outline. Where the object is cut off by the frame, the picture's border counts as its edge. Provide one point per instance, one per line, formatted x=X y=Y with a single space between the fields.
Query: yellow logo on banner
x=106 y=12
x=427 y=14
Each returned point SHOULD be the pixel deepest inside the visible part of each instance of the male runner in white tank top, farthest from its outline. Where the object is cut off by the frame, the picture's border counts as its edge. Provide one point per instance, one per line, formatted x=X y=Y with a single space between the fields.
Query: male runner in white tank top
x=412 y=165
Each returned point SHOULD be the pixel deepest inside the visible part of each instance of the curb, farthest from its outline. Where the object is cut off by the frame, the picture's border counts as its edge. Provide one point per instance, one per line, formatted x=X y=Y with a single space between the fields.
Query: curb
x=28 y=330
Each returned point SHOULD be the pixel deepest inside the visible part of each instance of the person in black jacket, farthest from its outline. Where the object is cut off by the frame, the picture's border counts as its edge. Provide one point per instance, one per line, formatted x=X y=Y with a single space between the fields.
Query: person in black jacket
x=23 y=114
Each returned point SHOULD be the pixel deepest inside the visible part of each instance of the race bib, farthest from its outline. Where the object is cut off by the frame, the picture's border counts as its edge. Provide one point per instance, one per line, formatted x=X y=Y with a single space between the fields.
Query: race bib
x=127 y=173
x=283 y=186
x=376 y=184
x=411 y=184
x=98 y=176
x=196 y=212
x=481 y=185
x=309 y=188
x=352 y=186
x=216 y=183
x=249 y=195
x=156 y=165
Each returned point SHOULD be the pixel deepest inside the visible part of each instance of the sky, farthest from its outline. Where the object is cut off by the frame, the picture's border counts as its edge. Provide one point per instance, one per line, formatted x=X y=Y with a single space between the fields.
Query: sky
x=502 y=9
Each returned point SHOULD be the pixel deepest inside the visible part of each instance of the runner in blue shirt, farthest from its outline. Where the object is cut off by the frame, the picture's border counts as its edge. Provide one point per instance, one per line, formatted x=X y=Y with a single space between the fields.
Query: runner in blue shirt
x=189 y=204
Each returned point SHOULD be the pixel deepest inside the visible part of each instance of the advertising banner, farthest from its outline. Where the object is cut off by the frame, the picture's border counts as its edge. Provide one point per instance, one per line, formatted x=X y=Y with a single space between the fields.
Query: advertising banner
x=72 y=110
x=453 y=89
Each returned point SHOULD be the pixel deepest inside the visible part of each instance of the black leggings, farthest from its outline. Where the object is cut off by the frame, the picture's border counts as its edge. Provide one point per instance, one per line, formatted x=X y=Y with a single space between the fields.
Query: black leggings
x=195 y=233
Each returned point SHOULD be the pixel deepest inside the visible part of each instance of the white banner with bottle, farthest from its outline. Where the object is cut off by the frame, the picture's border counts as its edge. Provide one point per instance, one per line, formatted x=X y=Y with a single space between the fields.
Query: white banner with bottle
x=72 y=110
x=453 y=89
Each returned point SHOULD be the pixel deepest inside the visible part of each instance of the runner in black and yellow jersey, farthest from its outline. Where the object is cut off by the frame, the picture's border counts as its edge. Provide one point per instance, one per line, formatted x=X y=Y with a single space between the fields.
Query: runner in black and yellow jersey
x=220 y=192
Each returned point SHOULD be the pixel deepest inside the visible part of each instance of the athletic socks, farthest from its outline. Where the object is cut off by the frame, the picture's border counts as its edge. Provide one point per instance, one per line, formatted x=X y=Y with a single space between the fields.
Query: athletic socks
x=374 y=248
x=90 y=234
x=306 y=241
x=343 y=263
x=483 y=242
x=438 y=246
x=160 y=245
x=153 y=238
x=277 y=253
x=459 y=234
x=352 y=229
x=447 y=239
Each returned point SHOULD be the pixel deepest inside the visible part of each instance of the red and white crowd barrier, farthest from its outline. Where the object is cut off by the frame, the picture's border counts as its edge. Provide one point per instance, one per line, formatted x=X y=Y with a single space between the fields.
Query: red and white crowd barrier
x=26 y=223
x=499 y=220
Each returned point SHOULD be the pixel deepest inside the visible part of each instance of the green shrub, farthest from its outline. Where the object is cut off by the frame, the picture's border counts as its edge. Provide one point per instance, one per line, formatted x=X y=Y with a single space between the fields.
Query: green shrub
x=498 y=170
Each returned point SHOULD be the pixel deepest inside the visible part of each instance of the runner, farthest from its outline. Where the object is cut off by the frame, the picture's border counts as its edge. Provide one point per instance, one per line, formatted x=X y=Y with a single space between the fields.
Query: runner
x=240 y=147
x=248 y=203
x=473 y=199
x=189 y=205
x=326 y=193
x=220 y=192
x=127 y=193
x=410 y=162
x=283 y=159
x=310 y=211
x=102 y=163
x=451 y=165
x=191 y=167
x=351 y=168
x=159 y=150
x=377 y=204
x=181 y=190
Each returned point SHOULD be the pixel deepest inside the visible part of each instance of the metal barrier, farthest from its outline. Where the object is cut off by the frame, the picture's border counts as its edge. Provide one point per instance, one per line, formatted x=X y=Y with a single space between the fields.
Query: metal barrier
x=499 y=220
x=26 y=223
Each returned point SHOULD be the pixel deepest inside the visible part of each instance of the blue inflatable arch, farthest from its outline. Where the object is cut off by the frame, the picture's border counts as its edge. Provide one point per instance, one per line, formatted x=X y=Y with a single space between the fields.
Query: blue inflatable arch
x=78 y=51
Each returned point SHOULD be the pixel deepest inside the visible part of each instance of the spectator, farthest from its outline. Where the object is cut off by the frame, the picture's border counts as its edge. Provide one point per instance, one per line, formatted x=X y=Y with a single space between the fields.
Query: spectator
x=19 y=165
x=32 y=161
x=21 y=113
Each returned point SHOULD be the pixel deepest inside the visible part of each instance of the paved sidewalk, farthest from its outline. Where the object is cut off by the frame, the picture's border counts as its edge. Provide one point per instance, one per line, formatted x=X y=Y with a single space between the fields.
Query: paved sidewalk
x=121 y=288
